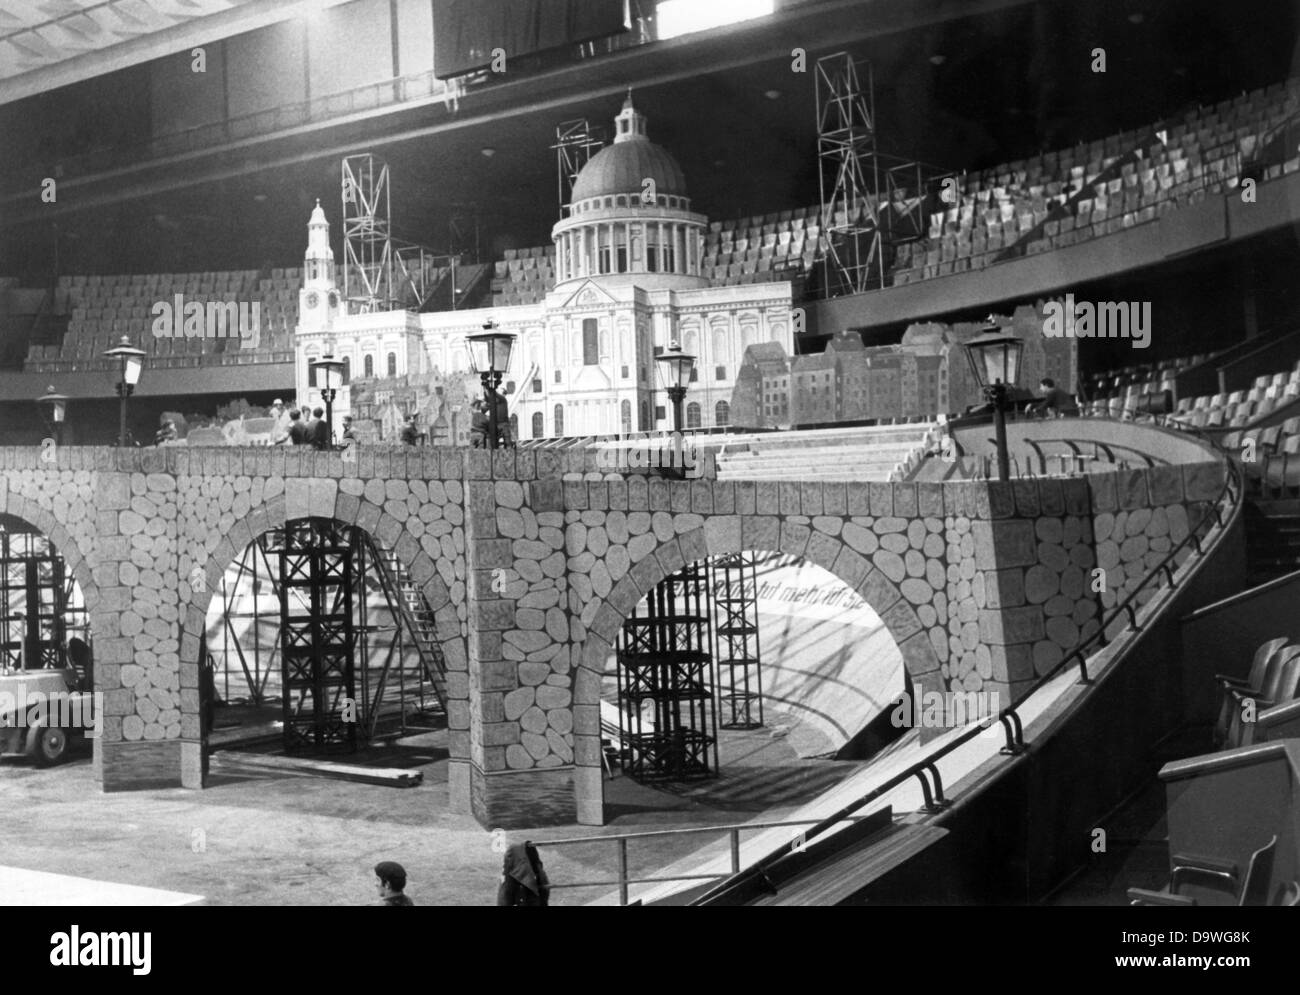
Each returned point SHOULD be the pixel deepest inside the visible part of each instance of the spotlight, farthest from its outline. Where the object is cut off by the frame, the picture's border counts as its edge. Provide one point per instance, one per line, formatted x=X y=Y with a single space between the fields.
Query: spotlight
x=487 y=151
x=1137 y=17
x=937 y=59
x=772 y=94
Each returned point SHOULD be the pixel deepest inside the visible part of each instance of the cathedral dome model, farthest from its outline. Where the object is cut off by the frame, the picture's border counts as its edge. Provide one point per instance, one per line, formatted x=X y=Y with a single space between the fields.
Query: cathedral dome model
x=628 y=219
x=624 y=167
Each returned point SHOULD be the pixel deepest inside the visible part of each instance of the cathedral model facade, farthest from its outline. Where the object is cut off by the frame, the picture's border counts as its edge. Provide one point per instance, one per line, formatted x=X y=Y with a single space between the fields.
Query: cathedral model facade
x=628 y=283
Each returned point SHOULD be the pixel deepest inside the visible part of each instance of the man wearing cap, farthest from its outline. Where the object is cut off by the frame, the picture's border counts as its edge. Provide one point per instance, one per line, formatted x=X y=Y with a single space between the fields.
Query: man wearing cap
x=392 y=881
x=280 y=433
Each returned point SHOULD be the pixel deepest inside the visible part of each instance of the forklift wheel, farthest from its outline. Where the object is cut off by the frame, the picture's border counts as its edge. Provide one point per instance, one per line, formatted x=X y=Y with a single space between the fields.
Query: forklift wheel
x=51 y=747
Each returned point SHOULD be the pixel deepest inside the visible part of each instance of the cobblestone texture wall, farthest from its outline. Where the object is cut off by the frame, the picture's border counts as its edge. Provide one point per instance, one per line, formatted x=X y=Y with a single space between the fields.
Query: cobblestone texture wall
x=532 y=561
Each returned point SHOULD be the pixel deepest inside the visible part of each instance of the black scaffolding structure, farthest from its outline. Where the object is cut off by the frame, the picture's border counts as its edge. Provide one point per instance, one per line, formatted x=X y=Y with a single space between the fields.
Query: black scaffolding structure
x=666 y=681
x=317 y=618
x=735 y=593
x=41 y=607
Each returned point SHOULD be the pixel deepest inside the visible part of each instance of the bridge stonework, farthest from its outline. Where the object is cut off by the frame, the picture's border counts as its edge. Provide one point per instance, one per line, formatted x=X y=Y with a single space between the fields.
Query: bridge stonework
x=532 y=560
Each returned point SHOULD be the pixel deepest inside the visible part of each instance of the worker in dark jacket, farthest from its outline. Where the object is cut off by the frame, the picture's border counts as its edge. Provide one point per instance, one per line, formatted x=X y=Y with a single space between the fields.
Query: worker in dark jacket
x=1054 y=400
x=523 y=880
x=392 y=882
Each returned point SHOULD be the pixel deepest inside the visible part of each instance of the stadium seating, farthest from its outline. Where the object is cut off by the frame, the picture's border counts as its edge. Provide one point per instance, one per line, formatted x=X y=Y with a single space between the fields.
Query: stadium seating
x=1069 y=196
x=102 y=309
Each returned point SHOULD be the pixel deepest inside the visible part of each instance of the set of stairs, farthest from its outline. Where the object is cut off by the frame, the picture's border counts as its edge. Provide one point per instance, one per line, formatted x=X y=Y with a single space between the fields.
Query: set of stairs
x=417 y=619
x=1272 y=539
x=873 y=456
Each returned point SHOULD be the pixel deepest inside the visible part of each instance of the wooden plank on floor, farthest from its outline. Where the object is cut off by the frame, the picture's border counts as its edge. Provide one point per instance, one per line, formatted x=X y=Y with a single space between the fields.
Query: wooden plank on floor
x=388 y=776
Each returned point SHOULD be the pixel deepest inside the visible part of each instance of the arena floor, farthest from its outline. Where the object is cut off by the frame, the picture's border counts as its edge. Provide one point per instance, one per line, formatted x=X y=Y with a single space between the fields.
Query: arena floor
x=262 y=838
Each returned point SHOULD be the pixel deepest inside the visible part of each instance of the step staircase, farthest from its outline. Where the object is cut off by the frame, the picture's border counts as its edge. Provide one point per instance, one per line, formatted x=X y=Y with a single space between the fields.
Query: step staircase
x=875 y=457
x=1272 y=539
x=417 y=619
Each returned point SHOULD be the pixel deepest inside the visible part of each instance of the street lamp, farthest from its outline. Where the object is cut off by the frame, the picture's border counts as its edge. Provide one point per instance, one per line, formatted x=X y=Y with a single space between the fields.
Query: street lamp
x=58 y=410
x=131 y=362
x=489 y=357
x=675 y=367
x=995 y=360
x=329 y=378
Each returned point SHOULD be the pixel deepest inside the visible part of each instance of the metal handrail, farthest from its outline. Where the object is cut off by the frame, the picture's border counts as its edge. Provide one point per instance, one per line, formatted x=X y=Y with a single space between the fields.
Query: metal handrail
x=1008 y=717
x=732 y=830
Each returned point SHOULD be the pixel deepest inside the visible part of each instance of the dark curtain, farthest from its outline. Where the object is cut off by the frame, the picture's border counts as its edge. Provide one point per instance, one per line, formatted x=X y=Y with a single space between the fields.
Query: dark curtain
x=466 y=31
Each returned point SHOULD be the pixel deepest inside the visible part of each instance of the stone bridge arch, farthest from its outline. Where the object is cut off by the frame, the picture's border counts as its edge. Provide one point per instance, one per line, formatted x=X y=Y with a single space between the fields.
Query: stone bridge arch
x=835 y=544
x=435 y=562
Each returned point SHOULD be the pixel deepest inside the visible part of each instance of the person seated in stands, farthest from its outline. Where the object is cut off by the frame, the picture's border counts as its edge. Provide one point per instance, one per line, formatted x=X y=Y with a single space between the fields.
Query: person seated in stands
x=1054 y=400
x=297 y=429
x=478 y=424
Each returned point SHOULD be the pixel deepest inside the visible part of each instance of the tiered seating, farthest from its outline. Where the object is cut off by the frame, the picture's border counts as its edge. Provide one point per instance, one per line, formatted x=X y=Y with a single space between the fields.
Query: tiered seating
x=104 y=308
x=764 y=247
x=1069 y=196
x=1117 y=391
x=1228 y=812
x=1241 y=407
x=524 y=276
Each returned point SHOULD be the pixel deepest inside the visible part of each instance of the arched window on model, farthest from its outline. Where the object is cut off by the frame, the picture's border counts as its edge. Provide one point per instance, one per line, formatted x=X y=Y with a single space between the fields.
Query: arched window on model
x=392 y=364
x=559 y=421
x=539 y=429
x=692 y=415
x=722 y=413
x=625 y=410
x=347 y=369
x=590 y=342
x=369 y=365
x=645 y=418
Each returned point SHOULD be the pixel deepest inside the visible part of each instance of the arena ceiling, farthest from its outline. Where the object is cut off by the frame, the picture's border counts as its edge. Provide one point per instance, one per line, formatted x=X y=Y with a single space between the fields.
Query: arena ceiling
x=46 y=44
x=960 y=84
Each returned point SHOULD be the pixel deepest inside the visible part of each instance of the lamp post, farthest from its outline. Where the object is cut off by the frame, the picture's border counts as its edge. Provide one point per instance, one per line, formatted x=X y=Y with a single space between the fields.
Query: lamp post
x=131 y=362
x=995 y=360
x=675 y=367
x=329 y=378
x=489 y=355
x=58 y=410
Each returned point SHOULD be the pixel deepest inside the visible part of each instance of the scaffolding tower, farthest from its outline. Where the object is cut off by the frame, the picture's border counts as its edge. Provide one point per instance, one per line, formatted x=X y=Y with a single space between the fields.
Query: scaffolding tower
x=735 y=593
x=871 y=202
x=575 y=143
x=367 y=241
x=41 y=607
x=667 y=710
x=320 y=620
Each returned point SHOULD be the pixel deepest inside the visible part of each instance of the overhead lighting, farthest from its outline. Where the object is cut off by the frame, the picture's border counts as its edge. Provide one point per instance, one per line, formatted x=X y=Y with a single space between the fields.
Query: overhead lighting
x=937 y=59
x=487 y=151
x=682 y=17
x=259 y=197
x=1137 y=17
x=772 y=94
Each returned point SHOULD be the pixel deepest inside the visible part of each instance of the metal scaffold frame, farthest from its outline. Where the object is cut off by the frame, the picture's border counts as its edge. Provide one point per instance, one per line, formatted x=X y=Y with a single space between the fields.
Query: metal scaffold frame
x=345 y=624
x=735 y=593
x=871 y=202
x=367 y=241
x=576 y=142
x=665 y=667
x=40 y=604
